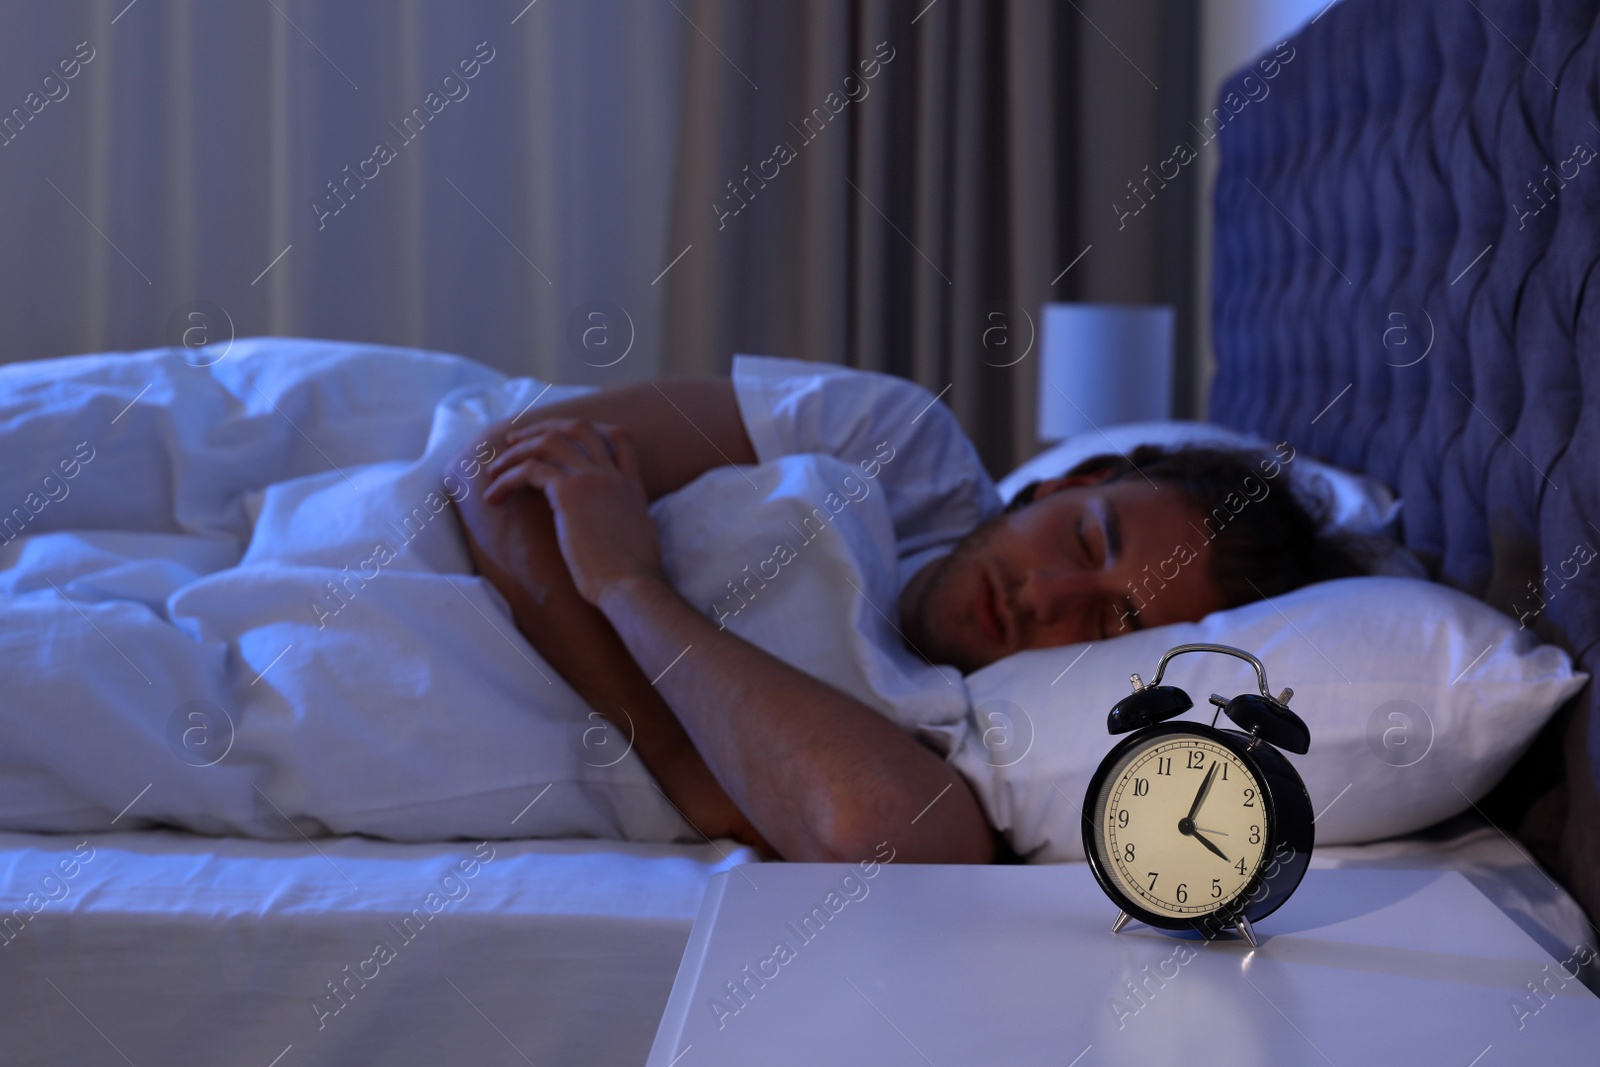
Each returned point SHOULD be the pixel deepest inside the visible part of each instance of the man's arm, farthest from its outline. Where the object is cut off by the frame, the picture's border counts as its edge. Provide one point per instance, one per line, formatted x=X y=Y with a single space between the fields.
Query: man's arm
x=693 y=425
x=820 y=774
x=683 y=427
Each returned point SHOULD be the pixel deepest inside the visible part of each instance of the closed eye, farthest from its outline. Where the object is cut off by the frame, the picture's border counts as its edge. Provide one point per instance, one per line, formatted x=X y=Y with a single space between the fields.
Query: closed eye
x=1093 y=558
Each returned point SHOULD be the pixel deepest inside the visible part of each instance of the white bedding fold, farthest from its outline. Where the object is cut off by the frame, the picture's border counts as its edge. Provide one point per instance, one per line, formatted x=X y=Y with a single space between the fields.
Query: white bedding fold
x=161 y=651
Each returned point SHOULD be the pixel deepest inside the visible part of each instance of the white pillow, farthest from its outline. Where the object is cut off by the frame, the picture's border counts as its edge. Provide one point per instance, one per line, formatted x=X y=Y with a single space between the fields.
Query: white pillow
x=1419 y=698
x=1358 y=504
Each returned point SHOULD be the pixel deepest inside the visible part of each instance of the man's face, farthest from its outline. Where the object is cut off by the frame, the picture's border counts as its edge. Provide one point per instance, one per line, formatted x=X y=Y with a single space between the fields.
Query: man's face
x=1085 y=560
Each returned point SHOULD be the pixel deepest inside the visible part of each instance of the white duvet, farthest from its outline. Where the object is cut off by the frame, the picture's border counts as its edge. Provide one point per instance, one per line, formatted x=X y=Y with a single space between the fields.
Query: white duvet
x=235 y=599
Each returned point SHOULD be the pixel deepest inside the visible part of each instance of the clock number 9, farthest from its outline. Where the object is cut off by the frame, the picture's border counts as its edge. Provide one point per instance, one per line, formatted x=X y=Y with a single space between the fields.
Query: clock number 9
x=1122 y=819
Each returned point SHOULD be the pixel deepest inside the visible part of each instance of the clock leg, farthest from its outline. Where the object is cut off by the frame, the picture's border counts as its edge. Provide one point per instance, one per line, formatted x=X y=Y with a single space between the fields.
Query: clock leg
x=1122 y=920
x=1247 y=931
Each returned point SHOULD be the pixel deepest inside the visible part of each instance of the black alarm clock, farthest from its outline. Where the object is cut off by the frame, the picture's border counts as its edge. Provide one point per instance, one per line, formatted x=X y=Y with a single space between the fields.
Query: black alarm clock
x=1190 y=827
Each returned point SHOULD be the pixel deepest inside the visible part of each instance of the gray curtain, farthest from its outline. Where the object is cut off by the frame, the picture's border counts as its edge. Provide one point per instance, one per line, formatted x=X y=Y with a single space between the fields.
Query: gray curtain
x=928 y=212
x=188 y=154
x=915 y=221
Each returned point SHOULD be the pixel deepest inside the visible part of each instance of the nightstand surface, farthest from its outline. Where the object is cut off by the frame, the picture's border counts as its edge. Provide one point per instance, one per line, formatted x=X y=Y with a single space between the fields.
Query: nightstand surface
x=1016 y=965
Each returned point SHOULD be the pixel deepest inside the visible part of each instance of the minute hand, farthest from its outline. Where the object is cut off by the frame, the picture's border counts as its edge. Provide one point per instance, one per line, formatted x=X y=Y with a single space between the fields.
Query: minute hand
x=1205 y=787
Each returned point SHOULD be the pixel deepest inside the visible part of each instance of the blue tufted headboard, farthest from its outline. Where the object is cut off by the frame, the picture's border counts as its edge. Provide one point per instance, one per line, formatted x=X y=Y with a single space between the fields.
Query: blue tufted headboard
x=1407 y=237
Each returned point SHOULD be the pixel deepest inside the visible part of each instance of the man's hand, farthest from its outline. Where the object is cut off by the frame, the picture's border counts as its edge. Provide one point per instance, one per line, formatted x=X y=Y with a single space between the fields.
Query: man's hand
x=589 y=472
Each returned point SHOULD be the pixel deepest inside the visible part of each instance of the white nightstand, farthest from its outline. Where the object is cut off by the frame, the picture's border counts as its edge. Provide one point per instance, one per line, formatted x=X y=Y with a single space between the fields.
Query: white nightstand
x=951 y=966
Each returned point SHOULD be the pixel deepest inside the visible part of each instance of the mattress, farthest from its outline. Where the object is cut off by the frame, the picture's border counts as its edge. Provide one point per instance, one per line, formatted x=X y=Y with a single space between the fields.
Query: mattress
x=162 y=947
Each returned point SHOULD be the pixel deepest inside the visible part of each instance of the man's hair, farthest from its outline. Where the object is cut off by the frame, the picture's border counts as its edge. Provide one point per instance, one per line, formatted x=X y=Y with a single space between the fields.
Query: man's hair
x=1266 y=538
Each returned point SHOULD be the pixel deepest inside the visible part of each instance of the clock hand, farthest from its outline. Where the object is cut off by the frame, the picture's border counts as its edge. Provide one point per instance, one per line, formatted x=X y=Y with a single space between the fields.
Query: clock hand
x=1205 y=787
x=1207 y=842
x=1217 y=833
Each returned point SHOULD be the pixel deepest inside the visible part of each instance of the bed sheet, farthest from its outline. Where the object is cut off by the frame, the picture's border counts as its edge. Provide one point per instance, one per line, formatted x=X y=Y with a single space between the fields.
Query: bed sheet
x=249 y=606
x=163 y=947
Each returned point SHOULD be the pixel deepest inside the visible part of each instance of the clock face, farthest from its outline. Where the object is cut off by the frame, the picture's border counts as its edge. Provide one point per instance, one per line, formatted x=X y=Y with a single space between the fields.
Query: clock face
x=1181 y=825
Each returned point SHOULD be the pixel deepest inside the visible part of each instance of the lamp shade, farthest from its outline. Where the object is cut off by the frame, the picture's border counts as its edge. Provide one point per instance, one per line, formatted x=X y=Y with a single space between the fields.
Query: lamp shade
x=1104 y=364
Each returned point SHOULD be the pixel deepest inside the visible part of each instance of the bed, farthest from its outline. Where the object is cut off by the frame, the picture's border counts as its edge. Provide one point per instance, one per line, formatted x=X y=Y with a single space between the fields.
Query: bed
x=1395 y=141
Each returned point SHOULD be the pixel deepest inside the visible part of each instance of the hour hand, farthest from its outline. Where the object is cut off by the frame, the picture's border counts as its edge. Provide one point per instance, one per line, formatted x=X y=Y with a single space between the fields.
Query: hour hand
x=1206 y=841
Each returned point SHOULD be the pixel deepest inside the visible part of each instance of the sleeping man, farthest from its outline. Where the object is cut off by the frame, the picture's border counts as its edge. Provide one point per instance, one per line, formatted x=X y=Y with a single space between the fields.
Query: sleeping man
x=238 y=597
x=748 y=745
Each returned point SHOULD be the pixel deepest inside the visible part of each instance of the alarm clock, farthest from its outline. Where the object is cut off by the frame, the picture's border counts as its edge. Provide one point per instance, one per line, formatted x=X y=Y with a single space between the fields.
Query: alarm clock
x=1187 y=826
